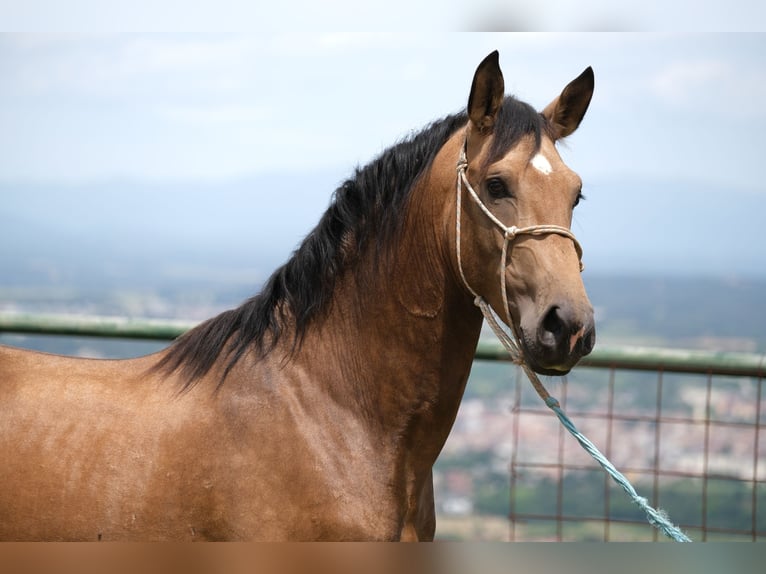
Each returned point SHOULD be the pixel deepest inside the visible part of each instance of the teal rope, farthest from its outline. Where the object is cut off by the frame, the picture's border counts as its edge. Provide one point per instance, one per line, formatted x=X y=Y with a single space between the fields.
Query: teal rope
x=657 y=518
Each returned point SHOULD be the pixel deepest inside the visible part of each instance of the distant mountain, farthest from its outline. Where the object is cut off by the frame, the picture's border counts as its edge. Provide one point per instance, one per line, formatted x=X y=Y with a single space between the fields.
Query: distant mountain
x=141 y=233
x=726 y=314
x=137 y=232
x=672 y=228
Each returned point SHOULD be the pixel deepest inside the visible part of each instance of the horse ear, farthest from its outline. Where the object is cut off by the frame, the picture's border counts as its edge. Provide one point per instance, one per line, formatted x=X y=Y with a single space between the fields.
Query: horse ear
x=566 y=112
x=487 y=92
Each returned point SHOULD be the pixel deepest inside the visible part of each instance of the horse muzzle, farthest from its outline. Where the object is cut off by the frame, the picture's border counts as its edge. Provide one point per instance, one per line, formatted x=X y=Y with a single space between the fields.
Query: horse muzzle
x=558 y=339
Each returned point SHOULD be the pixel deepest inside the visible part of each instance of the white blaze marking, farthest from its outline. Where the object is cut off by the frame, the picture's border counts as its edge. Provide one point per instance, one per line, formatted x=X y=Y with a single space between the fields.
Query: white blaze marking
x=541 y=164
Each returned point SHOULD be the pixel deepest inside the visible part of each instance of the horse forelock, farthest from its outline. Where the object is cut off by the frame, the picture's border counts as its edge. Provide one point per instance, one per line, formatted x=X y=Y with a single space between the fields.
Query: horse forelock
x=365 y=215
x=515 y=120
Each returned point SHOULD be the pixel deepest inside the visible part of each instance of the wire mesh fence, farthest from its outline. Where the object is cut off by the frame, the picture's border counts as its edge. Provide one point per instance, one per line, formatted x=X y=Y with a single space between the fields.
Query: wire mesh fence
x=691 y=443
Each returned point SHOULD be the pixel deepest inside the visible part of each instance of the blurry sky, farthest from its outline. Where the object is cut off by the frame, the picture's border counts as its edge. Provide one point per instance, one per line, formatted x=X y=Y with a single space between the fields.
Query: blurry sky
x=405 y=15
x=80 y=108
x=684 y=110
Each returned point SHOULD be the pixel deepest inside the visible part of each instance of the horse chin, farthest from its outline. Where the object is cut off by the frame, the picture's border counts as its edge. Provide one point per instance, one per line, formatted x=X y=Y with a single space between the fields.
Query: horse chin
x=550 y=371
x=532 y=358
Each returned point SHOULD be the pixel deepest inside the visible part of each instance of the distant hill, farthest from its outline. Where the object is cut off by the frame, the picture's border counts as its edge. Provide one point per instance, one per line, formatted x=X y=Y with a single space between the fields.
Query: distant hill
x=658 y=227
x=143 y=234
x=626 y=227
x=715 y=313
x=664 y=262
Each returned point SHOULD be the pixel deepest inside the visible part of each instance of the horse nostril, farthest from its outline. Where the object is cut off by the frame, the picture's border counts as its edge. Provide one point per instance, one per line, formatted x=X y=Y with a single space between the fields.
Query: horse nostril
x=553 y=327
x=588 y=341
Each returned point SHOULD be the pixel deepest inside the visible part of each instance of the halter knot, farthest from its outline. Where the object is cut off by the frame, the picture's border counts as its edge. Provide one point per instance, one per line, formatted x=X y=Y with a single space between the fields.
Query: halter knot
x=511 y=232
x=462 y=161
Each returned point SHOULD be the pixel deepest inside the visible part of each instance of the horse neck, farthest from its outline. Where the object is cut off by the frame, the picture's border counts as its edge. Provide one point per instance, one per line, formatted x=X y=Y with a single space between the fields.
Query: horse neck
x=398 y=342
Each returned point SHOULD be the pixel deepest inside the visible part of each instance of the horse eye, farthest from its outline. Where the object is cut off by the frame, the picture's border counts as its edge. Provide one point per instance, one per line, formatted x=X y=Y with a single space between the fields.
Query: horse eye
x=497 y=189
x=580 y=197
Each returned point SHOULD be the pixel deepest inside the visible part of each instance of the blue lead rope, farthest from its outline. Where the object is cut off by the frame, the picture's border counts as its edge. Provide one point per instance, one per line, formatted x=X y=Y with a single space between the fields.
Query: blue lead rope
x=657 y=518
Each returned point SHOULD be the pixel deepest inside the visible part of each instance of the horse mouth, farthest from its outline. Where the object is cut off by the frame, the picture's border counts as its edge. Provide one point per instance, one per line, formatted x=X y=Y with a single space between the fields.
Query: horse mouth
x=549 y=371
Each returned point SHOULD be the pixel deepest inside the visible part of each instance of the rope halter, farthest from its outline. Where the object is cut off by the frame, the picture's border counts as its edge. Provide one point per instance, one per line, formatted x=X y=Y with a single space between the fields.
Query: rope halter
x=509 y=340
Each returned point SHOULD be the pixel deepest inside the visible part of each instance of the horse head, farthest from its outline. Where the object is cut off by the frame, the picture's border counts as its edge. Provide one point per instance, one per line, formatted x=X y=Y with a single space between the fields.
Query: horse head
x=517 y=250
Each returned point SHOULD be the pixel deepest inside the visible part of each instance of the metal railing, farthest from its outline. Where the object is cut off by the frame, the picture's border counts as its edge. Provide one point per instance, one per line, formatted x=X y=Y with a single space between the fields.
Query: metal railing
x=634 y=358
x=685 y=426
x=93 y=326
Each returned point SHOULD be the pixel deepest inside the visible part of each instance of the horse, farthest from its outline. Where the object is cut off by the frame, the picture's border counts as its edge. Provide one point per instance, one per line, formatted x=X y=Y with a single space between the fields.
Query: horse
x=317 y=408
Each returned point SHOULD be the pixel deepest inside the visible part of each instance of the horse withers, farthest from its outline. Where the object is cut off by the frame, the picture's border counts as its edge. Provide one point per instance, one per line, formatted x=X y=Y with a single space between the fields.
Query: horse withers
x=316 y=409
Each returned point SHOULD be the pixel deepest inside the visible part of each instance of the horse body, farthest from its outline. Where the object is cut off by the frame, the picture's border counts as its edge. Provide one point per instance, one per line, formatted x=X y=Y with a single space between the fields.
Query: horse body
x=333 y=442
x=319 y=428
x=118 y=457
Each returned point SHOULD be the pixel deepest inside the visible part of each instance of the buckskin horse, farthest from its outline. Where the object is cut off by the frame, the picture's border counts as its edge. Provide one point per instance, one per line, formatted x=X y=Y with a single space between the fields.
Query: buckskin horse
x=316 y=409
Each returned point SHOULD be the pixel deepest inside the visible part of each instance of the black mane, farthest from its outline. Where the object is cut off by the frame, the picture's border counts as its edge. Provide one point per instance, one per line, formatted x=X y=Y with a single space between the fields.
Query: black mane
x=367 y=207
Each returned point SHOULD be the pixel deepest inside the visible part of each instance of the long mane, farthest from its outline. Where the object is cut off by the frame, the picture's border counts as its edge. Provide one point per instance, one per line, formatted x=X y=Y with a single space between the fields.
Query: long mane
x=365 y=208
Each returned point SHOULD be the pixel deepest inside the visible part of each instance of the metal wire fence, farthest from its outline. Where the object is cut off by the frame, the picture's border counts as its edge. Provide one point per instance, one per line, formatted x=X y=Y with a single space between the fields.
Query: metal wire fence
x=686 y=427
x=691 y=443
